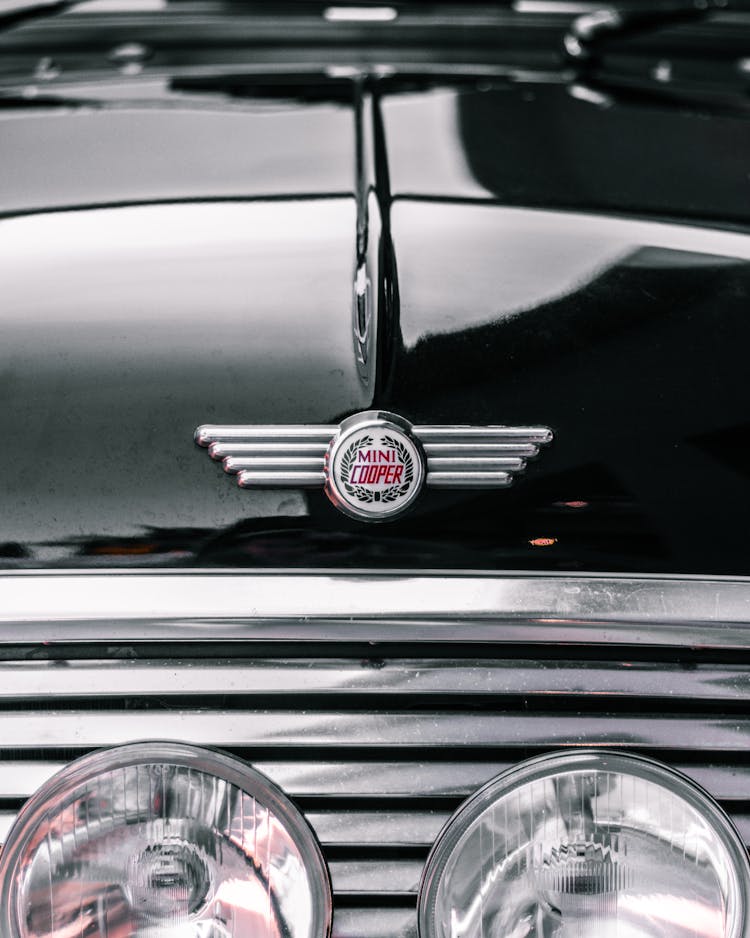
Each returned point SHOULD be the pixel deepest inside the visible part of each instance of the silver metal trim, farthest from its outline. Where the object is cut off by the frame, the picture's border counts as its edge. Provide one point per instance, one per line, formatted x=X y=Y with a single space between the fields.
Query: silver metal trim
x=279 y=478
x=389 y=731
x=466 y=479
x=375 y=923
x=267 y=680
x=458 y=464
x=434 y=726
x=478 y=457
x=375 y=878
x=222 y=450
x=489 y=434
x=413 y=779
x=459 y=457
x=190 y=605
x=214 y=433
x=477 y=450
x=235 y=464
x=270 y=456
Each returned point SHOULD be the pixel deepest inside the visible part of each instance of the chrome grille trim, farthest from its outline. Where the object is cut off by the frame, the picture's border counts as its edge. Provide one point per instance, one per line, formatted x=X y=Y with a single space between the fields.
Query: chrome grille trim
x=378 y=783
x=379 y=726
x=269 y=678
x=192 y=606
x=514 y=728
x=383 y=780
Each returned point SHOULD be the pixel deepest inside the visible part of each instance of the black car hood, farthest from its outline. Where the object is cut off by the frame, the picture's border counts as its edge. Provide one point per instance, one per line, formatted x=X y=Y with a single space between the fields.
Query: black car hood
x=195 y=265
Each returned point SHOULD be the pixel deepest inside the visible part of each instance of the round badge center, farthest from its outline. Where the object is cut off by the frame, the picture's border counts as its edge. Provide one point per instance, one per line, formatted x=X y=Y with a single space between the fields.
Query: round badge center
x=374 y=470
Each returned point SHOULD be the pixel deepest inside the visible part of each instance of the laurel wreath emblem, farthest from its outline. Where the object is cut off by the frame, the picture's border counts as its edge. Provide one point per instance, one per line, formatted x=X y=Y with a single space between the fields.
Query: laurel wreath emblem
x=366 y=495
x=347 y=464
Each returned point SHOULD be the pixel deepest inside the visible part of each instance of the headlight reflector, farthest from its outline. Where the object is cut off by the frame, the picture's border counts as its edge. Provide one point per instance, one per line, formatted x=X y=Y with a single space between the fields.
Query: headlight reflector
x=157 y=840
x=587 y=845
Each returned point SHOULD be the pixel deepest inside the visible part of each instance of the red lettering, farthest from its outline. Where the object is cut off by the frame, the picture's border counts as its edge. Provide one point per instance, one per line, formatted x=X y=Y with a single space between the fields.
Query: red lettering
x=376 y=456
x=367 y=473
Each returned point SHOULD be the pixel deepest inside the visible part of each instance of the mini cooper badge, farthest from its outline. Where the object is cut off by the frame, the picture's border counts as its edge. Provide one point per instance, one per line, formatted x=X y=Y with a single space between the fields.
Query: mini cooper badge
x=373 y=465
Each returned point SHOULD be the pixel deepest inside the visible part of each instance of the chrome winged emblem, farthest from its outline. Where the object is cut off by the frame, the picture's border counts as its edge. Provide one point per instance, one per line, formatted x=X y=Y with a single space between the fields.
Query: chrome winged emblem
x=374 y=464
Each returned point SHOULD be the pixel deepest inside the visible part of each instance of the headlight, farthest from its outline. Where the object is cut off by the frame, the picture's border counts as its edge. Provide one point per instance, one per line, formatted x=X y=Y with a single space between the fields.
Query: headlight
x=587 y=845
x=162 y=840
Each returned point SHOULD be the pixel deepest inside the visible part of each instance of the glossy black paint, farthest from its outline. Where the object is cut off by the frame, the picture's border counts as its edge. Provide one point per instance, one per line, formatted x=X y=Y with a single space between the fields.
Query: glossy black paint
x=627 y=337
x=145 y=295
x=203 y=273
x=543 y=146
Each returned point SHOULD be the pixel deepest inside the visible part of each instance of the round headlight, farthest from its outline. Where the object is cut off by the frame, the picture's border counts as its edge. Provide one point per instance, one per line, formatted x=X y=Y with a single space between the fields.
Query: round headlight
x=166 y=841
x=587 y=845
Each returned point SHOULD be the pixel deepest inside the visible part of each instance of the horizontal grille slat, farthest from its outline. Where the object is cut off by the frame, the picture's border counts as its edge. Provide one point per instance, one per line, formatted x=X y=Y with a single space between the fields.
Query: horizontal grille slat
x=457 y=779
x=417 y=829
x=373 y=877
x=6 y=822
x=374 y=923
x=21 y=779
x=393 y=829
x=384 y=780
x=271 y=678
x=742 y=823
x=377 y=779
x=401 y=730
x=379 y=753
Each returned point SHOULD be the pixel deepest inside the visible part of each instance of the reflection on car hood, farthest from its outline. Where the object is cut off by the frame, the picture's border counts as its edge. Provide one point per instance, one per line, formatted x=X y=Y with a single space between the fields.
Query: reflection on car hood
x=183 y=266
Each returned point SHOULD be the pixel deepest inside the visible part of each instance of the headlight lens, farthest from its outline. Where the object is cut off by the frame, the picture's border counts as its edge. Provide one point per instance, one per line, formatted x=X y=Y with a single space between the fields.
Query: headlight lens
x=587 y=845
x=164 y=841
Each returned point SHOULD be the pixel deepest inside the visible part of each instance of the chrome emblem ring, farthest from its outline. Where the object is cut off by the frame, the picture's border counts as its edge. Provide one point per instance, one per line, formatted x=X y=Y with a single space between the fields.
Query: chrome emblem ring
x=374 y=466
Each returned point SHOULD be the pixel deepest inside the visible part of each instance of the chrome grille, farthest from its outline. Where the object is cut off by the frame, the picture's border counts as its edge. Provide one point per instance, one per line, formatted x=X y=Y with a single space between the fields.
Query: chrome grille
x=379 y=751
